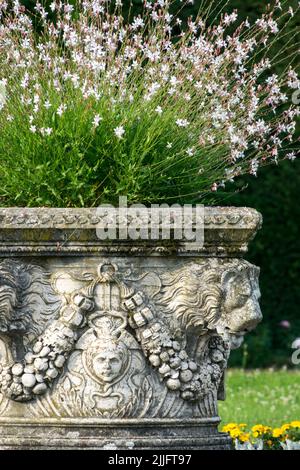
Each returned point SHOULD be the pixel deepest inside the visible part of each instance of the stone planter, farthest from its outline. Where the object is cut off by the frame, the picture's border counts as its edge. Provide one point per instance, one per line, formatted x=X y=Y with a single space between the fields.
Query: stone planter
x=119 y=344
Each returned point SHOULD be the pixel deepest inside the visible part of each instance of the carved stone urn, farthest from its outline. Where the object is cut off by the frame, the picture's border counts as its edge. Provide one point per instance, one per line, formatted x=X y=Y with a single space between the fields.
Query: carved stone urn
x=119 y=344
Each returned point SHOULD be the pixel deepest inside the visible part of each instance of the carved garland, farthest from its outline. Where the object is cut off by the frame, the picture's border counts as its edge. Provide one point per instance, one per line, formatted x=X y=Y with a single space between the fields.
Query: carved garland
x=166 y=354
x=22 y=381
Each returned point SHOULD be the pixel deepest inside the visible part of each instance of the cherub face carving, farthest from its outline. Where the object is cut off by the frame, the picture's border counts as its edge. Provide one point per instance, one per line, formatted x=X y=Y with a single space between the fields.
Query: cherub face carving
x=106 y=358
x=108 y=364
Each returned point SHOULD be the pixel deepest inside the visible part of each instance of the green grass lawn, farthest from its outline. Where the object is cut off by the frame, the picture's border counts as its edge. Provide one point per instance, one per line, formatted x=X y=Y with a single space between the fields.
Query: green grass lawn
x=261 y=397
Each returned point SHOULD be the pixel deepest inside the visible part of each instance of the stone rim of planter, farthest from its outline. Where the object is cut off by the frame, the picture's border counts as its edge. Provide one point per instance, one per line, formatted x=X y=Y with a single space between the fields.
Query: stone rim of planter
x=65 y=231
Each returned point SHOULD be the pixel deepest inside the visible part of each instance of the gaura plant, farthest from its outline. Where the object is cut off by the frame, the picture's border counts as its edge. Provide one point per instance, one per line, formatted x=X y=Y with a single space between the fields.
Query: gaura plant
x=96 y=104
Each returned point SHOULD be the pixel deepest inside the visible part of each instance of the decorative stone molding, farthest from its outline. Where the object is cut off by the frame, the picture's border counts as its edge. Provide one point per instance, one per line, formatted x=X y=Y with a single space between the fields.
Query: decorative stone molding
x=49 y=231
x=118 y=348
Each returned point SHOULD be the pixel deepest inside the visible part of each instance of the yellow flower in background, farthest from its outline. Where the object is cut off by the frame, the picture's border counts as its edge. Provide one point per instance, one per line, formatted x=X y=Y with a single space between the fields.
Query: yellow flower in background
x=266 y=433
x=259 y=429
x=228 y=427
x=295 y=424
x=267 y=429
x=277 y=432
x=244 y=437
x=235 y=433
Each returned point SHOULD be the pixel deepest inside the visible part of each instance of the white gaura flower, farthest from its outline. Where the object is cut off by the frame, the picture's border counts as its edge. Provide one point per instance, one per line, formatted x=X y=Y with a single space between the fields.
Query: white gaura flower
x=61 y=109
x=292 y=156
x=97 y=120
x=119 y=132
x=45 y=130
x=159 y=110
x=169 y=145
x=2 y=92
x=154 y=16
x=182 y=122
x=32 y=129
x=137 y=23
x=25 y=80
x=190 y=151
x=48 y=131
x=47 y=104
x=228 y=19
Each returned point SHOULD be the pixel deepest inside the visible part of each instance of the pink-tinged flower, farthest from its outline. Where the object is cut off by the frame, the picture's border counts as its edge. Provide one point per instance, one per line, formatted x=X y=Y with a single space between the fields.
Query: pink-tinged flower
x=229 y=19
x=284 y=324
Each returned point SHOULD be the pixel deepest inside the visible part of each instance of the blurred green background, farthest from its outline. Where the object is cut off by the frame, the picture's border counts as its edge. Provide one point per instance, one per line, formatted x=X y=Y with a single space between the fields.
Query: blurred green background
x=276 y=248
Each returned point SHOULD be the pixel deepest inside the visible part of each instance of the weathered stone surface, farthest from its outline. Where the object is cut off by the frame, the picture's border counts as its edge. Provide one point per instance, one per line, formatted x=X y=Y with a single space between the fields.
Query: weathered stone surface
x=103 y=349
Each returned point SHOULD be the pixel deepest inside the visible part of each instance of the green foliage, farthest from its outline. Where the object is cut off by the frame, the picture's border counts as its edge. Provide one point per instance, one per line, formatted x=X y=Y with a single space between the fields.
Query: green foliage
x=184 y=132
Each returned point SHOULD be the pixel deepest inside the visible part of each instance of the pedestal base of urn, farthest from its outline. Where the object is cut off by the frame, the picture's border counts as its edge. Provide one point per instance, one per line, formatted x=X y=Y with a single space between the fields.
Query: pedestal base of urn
x=126 y=434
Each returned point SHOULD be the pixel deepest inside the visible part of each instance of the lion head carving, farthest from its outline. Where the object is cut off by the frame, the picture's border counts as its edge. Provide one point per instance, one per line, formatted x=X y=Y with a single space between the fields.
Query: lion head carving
x=219 y=295
x=27 y=300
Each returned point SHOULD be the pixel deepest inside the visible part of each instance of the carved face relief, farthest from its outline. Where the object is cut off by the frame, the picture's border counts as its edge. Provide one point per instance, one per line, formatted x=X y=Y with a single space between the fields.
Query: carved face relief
x=240 y=309
x=106 y=357
x=108 y=364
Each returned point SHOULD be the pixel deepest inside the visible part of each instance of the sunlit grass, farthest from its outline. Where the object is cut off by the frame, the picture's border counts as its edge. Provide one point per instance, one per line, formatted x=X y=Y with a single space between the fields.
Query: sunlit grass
x=261 y=396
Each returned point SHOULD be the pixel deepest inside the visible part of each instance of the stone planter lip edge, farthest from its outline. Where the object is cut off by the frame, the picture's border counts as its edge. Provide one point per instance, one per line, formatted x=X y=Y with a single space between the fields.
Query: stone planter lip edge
x=58 y=231
x=95 y=421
